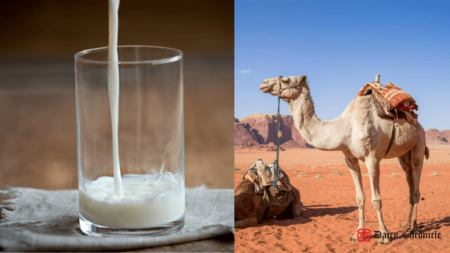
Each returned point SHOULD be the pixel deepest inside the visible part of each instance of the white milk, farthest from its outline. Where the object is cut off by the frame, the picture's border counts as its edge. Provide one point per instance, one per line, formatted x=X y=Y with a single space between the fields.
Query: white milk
x=137 y=201
x=113 y=90
x=148 y=201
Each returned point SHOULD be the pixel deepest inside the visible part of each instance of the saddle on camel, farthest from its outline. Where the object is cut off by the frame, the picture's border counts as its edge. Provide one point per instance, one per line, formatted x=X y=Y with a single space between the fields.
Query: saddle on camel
x=393 y=101
x=256 y=197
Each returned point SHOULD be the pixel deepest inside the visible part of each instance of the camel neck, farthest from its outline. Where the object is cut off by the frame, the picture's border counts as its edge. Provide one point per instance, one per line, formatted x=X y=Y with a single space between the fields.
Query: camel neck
x=316 y=132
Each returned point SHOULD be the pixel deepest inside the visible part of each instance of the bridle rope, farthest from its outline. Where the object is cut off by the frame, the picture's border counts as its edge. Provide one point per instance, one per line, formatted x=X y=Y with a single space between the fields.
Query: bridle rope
x=275 y=164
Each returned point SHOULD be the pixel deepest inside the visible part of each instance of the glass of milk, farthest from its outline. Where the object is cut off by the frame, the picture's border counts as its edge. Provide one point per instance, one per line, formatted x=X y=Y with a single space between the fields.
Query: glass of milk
x=130 y=134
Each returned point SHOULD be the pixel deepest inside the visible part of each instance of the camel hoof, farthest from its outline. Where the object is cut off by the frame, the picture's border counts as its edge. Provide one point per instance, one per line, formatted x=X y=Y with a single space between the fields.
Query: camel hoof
x=298 y=214
x=353 y=238
x=384 y=241
x=414 y=228
x=404 y=225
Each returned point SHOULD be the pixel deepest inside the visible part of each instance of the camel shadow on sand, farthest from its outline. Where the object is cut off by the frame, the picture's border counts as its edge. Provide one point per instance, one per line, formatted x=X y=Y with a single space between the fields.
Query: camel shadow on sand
x=431 y=226
x=426 y=227
x=308 y=212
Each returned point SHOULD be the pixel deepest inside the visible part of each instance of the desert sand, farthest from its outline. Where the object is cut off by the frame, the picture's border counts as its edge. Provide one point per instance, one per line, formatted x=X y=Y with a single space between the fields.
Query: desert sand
x=330 y=214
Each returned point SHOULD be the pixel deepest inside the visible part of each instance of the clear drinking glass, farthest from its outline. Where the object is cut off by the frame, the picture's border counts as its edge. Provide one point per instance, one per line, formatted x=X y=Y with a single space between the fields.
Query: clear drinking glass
x=150 y=139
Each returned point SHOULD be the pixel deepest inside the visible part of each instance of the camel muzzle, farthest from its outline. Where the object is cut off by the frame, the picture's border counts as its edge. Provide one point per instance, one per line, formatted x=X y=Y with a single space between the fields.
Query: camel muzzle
x=266 y=86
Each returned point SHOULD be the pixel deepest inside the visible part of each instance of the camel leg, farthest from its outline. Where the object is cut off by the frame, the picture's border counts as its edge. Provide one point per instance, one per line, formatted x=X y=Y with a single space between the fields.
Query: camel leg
x=373 y=166
x=405 y=162
x=245 y=204
x=296 y=205
x=355 y=170
x=417 y=155
x=245 y=223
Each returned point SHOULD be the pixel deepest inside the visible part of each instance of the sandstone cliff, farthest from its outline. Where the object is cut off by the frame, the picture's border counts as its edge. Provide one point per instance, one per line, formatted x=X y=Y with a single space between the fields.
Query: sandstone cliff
x=434 y=137
x=263 y=129
x=258 y=131
x=243 y=138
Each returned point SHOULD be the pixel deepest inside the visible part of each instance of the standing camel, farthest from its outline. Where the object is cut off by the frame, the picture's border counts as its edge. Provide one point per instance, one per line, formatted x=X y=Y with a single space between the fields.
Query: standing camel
x=361 y=135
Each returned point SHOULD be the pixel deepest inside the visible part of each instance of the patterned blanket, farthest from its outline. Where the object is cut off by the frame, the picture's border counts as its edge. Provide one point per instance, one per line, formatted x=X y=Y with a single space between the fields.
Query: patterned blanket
x=392 y=99
x=261 y=176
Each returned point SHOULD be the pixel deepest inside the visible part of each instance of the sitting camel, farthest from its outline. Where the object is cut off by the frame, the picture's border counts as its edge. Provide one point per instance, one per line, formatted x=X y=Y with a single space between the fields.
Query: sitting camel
x=361 y=135
x=248 y=209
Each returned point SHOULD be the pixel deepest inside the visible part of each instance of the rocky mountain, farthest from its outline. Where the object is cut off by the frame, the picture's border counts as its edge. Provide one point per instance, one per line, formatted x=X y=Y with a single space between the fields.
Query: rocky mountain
x=434 y=137
x=243 y=138
x=258 y=131
x=446 y=134
x=262 y=128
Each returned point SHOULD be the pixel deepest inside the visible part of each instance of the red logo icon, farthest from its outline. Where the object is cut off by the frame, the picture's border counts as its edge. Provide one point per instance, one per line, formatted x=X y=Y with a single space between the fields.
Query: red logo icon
x=364 y=235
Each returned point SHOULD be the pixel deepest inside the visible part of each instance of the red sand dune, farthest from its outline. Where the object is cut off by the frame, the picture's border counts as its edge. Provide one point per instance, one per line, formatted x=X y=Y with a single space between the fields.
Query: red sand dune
x=330 y=213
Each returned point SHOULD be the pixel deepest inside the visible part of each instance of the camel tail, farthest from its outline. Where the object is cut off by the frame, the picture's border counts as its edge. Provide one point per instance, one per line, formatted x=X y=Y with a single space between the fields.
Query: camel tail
x=427 y=153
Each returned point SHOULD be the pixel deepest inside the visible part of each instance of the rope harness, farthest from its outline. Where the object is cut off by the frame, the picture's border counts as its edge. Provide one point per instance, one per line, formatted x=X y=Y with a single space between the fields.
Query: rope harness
x=276 y=168
x=275 y=164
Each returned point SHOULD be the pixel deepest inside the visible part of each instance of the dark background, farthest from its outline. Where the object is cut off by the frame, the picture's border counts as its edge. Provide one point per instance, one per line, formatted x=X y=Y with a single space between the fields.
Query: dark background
x=62 y=28
x=37 y=88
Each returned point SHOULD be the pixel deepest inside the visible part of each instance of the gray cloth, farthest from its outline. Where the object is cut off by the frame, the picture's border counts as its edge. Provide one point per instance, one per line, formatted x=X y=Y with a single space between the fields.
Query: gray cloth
x=39 y=220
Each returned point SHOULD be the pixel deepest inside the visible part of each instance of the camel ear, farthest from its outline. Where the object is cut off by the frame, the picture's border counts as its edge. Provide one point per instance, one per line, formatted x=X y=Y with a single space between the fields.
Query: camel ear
x=302 y=79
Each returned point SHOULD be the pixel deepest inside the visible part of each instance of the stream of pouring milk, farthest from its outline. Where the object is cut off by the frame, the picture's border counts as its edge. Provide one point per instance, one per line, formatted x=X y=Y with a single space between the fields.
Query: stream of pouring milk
x=113 y=89
x=137 y=201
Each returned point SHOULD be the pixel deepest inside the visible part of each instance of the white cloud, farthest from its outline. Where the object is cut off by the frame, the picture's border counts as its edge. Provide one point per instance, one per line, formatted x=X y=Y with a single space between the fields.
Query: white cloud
x=244 y=71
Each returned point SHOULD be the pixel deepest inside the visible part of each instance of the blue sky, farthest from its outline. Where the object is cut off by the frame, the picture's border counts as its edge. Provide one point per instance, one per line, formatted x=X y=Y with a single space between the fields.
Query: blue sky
x=340 y=46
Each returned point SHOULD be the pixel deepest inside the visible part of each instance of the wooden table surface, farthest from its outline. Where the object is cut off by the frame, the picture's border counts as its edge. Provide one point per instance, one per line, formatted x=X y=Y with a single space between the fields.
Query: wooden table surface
x=38 y=129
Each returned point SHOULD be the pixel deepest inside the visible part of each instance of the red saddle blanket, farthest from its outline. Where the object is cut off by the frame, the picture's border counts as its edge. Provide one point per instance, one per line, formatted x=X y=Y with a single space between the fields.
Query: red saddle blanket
x=391 y=98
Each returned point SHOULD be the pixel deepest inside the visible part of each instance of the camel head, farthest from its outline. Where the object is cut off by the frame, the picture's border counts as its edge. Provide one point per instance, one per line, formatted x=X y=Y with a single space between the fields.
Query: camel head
x=290 y=87
x=259 y=164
